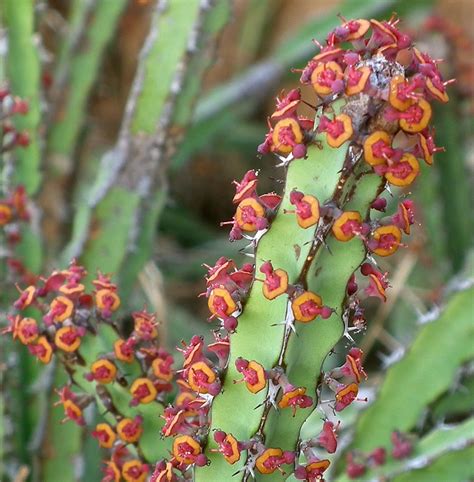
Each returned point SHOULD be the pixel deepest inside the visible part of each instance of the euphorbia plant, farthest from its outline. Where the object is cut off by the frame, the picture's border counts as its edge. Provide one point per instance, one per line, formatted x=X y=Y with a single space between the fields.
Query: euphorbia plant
x=239 y=403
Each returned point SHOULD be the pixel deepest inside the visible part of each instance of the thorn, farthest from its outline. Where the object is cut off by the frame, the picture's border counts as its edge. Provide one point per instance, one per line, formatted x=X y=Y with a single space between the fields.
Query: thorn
x=372 y=259
x=388 y=360
x=284 y=160
x=349 y=337
x=289 y=325
x=326 y=245
x=317 y=43
x=250 y=255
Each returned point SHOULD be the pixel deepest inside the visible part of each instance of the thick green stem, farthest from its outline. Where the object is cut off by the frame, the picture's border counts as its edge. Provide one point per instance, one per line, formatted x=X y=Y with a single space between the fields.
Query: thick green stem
x=79 y=61
x=444 y=346
x=261 y=316
x=140 y=250
x=92 y=26
x=23 y=73
x=108 y=223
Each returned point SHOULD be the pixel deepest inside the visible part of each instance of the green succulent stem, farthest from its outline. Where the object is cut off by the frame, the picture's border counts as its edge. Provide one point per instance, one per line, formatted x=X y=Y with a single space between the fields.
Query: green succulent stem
x=140 y=249
x=444 y=346
x=114 y=399
x=113 y=230
x=315 y=261
x=92 y=25
x=23 y=72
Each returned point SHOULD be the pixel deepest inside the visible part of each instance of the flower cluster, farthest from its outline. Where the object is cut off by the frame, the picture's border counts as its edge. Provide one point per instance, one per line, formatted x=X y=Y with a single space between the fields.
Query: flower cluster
x=312 y=450
x=287 y=129
x=358 y=463
x=14 y=203
x=253 y=212
x=135 y=367
x=14 y=211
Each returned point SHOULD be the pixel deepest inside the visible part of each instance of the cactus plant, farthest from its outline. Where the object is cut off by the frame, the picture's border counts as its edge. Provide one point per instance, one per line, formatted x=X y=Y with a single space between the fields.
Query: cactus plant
x=211 y=24
x=20 y=133
x=328 y=180
x=242 y=399
x=14 y=217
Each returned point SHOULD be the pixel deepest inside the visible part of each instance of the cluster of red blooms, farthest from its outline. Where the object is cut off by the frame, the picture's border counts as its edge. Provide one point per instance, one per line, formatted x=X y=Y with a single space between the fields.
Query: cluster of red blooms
x=383 y=76
x=69 y=315
x=14 y=203
x=358 y=463
x=200 y=383
x=385 y=69
x=253 y=211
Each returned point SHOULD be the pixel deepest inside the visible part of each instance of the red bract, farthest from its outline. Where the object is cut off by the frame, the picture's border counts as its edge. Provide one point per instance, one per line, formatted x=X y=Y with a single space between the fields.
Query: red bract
x=135 y=471
x=327 y=438
x=27 y=297
x=356 y=466
x=345 y=393
x=163 y=472
x=287 y=105
x=41 y=348
x=73 y=405
x=143 y=391
x=313 y=471
x=111 y=472
x=187 y=450
x=254 y=374
x=377 y=281
x=60 y=309
x=247 y=187
x=402 y=445
x=385 y=240
x=307 y=306
x=306 y=209
x=338 y=130
x=202 y=379
x=192 y=352
x=276 y=281
x=272 y=459
x=105 y=435
x=405 y=216
x=295 y=397
x=102 y=371
x=352 y=368
x=347 y=225
x=378 y=456
x=145 y=325
x=228 y=446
